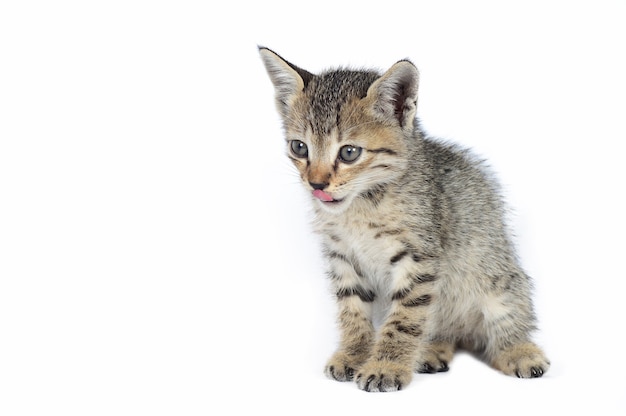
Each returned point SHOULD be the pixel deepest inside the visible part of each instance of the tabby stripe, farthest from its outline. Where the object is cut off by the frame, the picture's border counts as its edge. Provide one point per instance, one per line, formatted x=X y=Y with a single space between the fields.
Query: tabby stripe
x=375 y=195
x=398 y=257
x=387 y=232
x=364 y=294
x=383 y=150
x=402 y=293
x=424 y=278
x=335 y=255
x=413 y=330
x=419 y=301
x=416 y=280
x=338 y=256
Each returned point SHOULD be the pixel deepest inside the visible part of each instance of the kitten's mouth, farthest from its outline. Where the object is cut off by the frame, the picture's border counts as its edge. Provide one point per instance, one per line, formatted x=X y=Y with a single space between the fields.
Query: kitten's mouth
x=324 y=197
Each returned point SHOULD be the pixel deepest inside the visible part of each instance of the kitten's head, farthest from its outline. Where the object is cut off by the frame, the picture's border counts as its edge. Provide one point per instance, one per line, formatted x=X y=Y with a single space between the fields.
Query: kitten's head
x=347 y=131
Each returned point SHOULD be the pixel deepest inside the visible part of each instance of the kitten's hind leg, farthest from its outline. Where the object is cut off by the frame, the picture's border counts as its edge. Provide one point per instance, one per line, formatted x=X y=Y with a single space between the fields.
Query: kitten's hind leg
x=508 y=321
x=435 y=357
x=525 y=360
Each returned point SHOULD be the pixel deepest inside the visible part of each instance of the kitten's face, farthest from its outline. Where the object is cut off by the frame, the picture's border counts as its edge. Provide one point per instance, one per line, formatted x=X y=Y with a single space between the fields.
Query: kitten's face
x=343 y=155
x=346 y=131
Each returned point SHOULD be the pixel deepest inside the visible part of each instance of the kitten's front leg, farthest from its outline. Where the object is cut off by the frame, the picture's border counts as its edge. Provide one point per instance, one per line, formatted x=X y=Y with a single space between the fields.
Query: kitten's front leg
x=393 y=358
x=355 y=319
x=394 y=355
x=357 y=338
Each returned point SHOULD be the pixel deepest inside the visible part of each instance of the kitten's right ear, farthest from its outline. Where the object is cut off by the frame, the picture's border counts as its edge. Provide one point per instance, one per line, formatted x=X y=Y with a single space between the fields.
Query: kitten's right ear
x=288 y=79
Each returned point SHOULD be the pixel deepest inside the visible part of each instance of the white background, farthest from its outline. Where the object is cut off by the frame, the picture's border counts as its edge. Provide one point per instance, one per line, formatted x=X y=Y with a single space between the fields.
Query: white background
x=155 y=250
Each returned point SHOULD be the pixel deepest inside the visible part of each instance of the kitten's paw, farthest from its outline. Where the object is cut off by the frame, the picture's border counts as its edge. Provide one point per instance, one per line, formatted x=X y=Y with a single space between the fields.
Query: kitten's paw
x=435 y=358
x=341 y=366
x=523 y=360
x=379 y=376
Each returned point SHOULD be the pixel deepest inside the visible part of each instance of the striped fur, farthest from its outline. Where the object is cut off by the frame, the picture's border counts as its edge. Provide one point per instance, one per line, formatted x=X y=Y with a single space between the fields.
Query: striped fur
x=412 y=228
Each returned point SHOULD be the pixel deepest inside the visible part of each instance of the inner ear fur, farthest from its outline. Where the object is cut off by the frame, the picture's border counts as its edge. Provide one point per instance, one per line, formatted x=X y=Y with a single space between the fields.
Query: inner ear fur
x=394 y=94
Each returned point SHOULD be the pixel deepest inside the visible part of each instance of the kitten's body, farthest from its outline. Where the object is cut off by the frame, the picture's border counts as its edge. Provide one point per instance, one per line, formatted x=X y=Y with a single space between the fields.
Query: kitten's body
x=412 y=228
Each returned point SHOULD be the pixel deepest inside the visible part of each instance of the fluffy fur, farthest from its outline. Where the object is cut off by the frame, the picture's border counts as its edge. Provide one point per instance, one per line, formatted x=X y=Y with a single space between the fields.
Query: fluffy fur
x=413 y=229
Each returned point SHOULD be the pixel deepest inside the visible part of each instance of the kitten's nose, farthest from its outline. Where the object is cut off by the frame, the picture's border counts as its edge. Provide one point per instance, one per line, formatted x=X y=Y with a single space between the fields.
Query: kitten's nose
x=319 y=186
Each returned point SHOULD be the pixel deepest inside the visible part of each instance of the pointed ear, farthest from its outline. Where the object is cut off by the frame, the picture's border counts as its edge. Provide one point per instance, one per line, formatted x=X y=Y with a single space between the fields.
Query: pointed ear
x=288 y=79
x=394 y=94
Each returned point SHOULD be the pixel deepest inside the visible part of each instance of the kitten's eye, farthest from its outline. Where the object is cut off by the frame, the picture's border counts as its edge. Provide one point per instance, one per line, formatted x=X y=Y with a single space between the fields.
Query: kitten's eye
x=349 y=153
x=299 y=149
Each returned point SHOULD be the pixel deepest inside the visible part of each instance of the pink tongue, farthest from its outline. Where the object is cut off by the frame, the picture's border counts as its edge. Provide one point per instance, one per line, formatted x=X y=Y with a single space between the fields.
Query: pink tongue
x=322 y=196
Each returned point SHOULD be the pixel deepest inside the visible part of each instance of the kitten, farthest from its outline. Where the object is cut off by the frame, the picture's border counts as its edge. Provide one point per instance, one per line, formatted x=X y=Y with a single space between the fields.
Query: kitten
x=412 y=228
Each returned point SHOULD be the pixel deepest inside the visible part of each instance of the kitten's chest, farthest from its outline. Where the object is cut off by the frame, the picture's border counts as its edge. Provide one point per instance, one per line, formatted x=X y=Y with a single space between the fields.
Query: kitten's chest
x=370 y=242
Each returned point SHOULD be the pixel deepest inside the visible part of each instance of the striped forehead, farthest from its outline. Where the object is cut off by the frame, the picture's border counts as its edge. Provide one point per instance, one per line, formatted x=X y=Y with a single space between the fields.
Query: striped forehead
x=327 y=93
x=324 y=109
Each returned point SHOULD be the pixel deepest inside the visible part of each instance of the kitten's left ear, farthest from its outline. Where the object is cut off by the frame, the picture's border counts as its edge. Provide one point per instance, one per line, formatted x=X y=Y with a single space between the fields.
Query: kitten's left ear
x=394 y=94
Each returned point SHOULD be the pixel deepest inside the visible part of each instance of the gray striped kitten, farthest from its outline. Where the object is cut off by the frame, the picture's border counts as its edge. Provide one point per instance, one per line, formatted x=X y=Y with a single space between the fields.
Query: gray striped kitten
x=413 y=230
